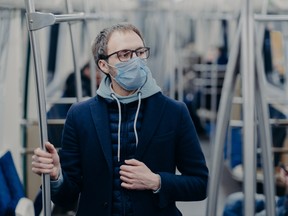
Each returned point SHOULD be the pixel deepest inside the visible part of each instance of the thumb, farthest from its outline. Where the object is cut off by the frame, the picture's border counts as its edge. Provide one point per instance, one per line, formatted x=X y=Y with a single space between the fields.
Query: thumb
x=50 y=148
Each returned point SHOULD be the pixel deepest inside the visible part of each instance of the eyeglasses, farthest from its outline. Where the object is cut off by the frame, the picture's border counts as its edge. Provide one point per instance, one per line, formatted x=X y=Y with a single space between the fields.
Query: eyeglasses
x=125 y=55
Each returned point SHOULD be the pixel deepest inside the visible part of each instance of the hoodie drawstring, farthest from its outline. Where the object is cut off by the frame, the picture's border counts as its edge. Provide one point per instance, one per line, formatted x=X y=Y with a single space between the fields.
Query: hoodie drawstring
x=120 y=119
x=136 y=117
x=119 y=125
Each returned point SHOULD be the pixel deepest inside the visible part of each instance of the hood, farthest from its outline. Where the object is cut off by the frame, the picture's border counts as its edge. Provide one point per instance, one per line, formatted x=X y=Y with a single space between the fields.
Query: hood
x=148 y=89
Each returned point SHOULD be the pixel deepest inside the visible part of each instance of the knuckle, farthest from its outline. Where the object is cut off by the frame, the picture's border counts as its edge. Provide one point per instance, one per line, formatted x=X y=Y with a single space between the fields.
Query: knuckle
x=36 y=150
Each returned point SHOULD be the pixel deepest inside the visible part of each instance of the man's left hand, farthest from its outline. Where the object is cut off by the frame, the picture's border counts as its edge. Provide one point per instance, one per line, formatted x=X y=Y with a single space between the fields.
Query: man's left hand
x=135 y=175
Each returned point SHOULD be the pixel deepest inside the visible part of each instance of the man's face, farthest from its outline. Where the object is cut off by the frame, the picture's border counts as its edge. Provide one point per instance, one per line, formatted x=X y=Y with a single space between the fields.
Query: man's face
x=121 y=41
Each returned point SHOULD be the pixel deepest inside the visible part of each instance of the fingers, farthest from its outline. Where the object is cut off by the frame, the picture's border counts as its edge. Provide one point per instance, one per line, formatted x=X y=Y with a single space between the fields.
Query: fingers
x=42 y=165
x=126 y=175
x=42 y=161
x=133 y=167
x=135 y=175
x=43 y=169
x=128 y=172
x=133 y=162
x=42 y=153
x=49 y=149
x=128 y=186
x=130 y=182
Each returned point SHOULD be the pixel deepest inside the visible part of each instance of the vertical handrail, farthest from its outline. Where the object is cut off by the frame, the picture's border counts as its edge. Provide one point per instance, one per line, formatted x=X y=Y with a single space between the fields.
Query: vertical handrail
x=93 y=75
x=75 y=60
x=265 y=133
x=263 y=118
x=223 y=115
x=248 y=92
x=250 y=88
x=41 y=98
x=285 y=41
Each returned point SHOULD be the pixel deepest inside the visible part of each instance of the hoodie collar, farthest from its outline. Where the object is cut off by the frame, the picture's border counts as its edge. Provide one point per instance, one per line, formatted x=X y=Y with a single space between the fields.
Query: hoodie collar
x=149 y=88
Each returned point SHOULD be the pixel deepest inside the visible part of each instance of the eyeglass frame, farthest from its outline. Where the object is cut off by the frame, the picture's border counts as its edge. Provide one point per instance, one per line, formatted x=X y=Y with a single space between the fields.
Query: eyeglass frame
x=132 y=51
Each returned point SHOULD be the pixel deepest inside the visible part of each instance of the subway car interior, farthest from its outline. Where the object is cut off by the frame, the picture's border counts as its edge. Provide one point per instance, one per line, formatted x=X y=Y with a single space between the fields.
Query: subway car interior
x=226 y=60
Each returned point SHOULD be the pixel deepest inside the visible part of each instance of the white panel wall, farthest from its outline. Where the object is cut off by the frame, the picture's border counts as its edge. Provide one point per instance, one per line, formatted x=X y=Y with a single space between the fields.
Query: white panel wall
x=10 y=94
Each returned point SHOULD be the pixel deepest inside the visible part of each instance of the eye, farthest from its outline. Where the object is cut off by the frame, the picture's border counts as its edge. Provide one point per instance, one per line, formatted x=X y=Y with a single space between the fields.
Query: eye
x=142 y=52
x=124 y=54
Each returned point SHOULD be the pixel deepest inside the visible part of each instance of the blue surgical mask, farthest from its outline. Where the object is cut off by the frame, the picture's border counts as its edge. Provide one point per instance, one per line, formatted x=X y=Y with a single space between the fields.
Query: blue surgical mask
x=131 y=75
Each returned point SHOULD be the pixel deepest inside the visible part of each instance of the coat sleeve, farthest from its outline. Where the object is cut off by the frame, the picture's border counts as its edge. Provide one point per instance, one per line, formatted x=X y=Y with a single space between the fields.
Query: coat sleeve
x=67 y=194
x=191 y=182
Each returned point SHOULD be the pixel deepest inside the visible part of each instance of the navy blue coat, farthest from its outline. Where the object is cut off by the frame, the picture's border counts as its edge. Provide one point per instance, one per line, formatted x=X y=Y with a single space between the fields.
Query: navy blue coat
x=167 y=141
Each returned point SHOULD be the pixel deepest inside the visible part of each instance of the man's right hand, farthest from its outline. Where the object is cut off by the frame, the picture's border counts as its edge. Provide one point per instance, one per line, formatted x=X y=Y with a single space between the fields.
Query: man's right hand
x=46 y=162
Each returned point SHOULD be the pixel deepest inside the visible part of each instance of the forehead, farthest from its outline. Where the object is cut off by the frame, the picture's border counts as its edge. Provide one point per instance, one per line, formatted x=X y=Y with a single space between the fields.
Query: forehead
x=120 y=40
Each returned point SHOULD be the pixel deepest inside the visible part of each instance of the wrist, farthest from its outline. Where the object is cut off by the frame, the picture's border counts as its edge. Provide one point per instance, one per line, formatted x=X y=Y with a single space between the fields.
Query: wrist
x=157 y=184
x=55 y=176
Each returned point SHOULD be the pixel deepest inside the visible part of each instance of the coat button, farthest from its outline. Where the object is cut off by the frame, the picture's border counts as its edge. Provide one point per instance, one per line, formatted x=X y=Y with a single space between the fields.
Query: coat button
x=105 y=204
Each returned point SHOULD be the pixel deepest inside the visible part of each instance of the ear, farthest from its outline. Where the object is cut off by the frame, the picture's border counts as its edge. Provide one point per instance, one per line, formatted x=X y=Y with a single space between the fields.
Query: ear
x=102 y=64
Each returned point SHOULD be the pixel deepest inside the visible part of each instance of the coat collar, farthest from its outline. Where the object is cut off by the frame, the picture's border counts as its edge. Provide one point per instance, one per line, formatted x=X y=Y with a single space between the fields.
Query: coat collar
x=152 y=115
x=99 y=112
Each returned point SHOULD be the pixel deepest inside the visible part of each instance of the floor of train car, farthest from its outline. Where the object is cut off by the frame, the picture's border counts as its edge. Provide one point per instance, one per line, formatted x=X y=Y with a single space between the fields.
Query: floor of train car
x=227 y=186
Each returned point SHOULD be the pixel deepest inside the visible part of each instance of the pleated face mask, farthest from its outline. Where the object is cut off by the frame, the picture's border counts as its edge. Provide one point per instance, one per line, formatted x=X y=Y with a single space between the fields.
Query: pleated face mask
x=131 y=75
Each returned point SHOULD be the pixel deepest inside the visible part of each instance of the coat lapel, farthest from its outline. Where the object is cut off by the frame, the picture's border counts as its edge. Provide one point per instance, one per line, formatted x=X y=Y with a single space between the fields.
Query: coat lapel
x=153 y=112
x=152 y=115
x=100 y=117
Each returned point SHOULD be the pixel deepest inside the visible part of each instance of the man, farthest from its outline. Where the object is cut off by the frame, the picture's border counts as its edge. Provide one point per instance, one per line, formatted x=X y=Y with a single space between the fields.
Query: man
x=120 y=149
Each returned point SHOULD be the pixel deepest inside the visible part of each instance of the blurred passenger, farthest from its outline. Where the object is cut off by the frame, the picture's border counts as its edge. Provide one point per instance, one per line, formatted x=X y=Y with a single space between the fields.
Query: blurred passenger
x=120 y=149
x=234 y=204
x=59 y=111
x=202 y=98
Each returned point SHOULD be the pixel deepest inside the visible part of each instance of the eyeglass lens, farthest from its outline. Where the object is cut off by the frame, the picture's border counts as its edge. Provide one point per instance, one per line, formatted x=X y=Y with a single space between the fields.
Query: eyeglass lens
x=125 y=55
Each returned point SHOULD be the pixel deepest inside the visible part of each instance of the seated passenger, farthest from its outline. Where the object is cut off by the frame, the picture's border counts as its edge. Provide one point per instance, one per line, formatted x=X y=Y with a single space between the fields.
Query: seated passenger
x=59 y=111
x=234 y=204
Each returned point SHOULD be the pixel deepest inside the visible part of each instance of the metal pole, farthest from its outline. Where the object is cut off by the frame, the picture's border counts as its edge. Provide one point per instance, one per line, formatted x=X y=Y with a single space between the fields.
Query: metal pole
x=69 y=17
x=213 y=100
x=75 y=61
x=40 y=87
x=265 y=18
x=222 y=124
x=263 y=121
x=92 y=68
x=248 y=92
x=285 y=41
x=42 y=20
x=265 y=134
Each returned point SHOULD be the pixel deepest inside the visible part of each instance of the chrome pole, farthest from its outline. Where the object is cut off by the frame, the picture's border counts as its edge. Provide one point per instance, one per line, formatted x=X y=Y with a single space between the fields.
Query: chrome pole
x=92 y=68
x=265 y=133
x=40 y=88
x=75 y=60
x=248 y=92
x=222 y=124
x=263 y=118
x=266 y=17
